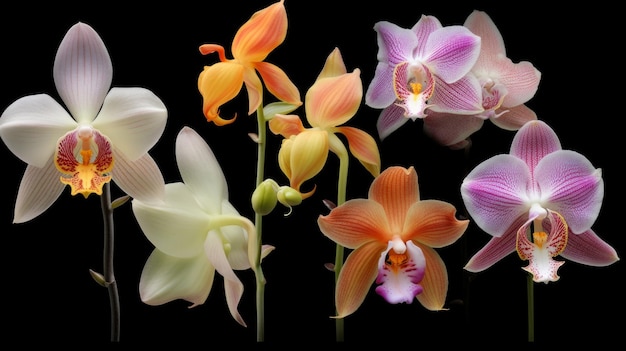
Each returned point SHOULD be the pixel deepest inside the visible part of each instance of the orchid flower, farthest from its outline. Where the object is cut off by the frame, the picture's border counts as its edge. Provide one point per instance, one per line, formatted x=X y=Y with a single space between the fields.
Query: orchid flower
x=196 y=231
x=393 y=235
x=505 y=87
x=331 y=101
x=104 y=134
x=423 y=69
x=222 y=81
x=558 y=191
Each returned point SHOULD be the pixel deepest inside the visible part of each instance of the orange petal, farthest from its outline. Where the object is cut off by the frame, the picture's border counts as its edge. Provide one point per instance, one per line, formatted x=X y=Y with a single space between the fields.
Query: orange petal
x=262 y=33
x=286 y=125
x=433 y=223
x=355 y=222
x=435 y=282
x=254 y=89
x=396 y=189
x=363 y=146
x=308 y=156
x=356 y=277
x=333 y=101
x=278 y=83
x=334 y=65
x=219 y=84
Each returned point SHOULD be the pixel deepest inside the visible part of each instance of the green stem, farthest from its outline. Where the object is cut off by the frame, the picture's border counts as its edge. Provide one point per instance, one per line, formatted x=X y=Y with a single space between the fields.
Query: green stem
x=344 y=159
x=530 y=292
x=109 y=276
x=258 y=222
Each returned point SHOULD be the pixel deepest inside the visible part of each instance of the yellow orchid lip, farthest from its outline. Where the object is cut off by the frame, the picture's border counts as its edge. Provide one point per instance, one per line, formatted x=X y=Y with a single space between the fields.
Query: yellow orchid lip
x=84 y=156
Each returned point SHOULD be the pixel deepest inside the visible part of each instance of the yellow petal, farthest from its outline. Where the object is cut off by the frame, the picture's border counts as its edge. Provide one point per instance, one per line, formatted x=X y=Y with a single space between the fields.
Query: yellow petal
x=262 y=33
x=334 y=65
x=219 y=84
x=307 y=157
x=332 y=101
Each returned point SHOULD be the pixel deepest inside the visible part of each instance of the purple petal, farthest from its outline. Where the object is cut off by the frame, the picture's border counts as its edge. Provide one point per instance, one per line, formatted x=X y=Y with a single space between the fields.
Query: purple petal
x=422 y=29
x=395 y=44
x=380 y=93
x=450 y=129
x=390 y=120
x=588 y=249
x=461 y=97
x=494 y=193
x=451 y=52
x=533 y=141
x=572 y=187
x=495 y=250
x=400 y=281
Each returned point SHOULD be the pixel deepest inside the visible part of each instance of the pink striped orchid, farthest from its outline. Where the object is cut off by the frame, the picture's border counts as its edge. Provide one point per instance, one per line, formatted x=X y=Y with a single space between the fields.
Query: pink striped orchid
x=558 y=193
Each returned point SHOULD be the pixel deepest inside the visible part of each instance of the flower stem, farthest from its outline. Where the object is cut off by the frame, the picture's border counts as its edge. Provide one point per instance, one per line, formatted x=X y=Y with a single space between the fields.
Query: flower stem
x=344 y=159
x=530 y=292
x=109 y=276
x=258 y=222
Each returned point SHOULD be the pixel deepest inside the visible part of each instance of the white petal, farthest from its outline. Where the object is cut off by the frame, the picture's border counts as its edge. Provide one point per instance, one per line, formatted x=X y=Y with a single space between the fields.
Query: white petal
x=200 y=170
x=31 y=127
x=82 y=72
x=39 y=189
x=165 y=278
x=133 y=119
x=178 y=227
x=141 y=179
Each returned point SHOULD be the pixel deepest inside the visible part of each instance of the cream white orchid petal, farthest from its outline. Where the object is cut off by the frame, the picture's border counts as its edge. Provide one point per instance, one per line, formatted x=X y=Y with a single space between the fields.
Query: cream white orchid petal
x=31 y=127
x=237 y=239
x=133 y=119
x=39 y=189
x=82 y=72
x=141 y=179
x=166 y=278
x=214 y=247
x=178 y=227
x=200 y=170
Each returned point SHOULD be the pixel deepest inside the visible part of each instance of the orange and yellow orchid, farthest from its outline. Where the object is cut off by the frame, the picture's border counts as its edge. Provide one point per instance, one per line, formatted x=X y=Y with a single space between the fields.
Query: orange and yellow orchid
x=393 y=235
x=331 y=101
x=222 y=81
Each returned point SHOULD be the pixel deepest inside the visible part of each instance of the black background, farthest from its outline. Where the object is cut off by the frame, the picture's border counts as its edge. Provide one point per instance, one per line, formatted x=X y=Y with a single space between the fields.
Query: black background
x=48 y=294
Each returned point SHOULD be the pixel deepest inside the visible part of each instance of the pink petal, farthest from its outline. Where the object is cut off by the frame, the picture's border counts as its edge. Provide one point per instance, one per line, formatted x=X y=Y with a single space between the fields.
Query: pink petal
x=400 y=281
x=496 y=249
x=587 y=248
x=450 y=129
x=514 y=117
x=389 y=120
x=451 y=52
x=533 y=141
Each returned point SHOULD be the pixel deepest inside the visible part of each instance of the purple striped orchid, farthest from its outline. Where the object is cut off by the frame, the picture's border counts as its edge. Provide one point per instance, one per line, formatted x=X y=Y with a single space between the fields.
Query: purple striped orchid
x=557 y=193
x=423 y=69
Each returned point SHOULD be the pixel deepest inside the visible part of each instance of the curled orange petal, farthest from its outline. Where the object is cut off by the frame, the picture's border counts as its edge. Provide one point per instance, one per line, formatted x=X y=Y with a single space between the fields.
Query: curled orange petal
x=219 y=84
x=286 y=125
x=278 y=83
x=363 y=146
x=262 y=33
x=333 y=101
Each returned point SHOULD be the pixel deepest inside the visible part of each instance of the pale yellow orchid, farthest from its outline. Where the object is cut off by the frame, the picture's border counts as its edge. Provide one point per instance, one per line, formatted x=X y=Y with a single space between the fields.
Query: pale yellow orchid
x=332 y=101
x=222 y=81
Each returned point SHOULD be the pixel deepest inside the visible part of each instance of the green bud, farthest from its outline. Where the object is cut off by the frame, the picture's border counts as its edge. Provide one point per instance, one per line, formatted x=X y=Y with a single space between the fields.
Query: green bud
x=289 y=196
x=264 y=197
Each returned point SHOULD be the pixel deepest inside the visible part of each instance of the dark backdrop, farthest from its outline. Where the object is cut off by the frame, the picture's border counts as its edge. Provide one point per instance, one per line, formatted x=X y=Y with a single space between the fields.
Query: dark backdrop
x=49 y=295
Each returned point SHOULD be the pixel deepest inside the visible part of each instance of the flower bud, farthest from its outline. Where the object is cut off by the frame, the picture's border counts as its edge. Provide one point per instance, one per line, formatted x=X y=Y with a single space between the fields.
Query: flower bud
x=289 y=196
x=264 y=197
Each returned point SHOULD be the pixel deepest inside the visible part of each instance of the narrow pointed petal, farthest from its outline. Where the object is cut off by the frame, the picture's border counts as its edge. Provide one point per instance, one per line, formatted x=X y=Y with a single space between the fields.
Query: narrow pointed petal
x=254 y=88
x=514 y=118
x=390 y=119
x=82 y=72
x=494 y=192
x=400 y=281
x=587 y=248
x=450 y=129
x=572 y=186
x=31 y=127
x=278 y=83
x=433 y=223
x=286 y=125
x=262 y=33
x=200 y=170
x=451 y=52
x=214 y=248
x=380 y=93
x=331 y=102
x=356 y=277
x=363 y=147
x=356 y=222
x=396 y=189
x=230 y=78
x=435 y=282
x=334 y=65
x=141 y=179
x=39 y=189
x=177 y=227
x=133 y=119
x=496 y=249
x=167 y=278
x=533 y=141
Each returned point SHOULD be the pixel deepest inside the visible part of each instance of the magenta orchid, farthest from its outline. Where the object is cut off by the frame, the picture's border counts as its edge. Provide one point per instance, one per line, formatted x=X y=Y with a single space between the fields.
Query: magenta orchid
x=559 y=192
x=423 y=69
x=505 y=88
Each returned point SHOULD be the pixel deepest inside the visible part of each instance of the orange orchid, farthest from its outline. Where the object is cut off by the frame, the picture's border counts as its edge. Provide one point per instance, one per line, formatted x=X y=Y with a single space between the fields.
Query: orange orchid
x=222 y=81
x=331 y=101
x=393 y=235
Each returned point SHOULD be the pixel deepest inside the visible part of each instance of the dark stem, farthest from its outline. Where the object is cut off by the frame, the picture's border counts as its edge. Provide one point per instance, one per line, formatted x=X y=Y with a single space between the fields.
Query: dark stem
x=109 y=276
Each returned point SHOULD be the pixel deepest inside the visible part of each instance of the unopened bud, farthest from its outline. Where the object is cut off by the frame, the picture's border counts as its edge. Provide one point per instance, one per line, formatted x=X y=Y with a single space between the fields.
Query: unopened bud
x=264 y=197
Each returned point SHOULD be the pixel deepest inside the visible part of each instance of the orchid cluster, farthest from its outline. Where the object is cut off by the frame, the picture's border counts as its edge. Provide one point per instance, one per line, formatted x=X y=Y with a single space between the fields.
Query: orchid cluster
x=539 y=200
